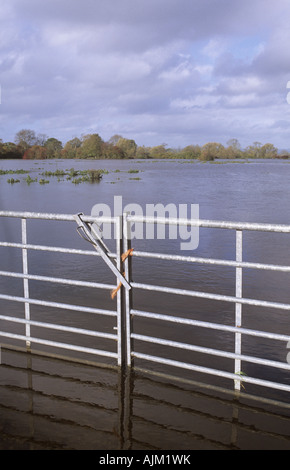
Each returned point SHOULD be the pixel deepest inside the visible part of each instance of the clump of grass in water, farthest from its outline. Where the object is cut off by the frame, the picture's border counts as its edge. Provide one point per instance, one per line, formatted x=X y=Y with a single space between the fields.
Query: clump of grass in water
x=93 y=175
x=54 y=173
x=13 y=172
x=30 y=180
x=90 y=176
x=72 y=173
x=76 y=176
x=12 y=181
x=76 y=180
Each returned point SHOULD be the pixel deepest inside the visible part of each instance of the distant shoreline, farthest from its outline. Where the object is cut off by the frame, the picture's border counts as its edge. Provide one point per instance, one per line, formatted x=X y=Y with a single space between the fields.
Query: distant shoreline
x=29 y=146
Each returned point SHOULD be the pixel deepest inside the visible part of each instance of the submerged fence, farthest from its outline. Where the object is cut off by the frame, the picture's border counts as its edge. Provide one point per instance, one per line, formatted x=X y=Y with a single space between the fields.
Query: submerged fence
x=124 y=338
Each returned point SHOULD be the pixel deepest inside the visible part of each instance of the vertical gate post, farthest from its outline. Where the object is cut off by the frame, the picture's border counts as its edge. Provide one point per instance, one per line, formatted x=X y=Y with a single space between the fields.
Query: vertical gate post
x=124 y=296
x=238 y=307
x=124 y=335
x=128 y=293
x=120 y=314
x=25 y=280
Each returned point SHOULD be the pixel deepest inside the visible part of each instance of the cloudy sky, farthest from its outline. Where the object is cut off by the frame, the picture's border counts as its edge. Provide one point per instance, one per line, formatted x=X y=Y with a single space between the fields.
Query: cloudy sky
x=178 y=72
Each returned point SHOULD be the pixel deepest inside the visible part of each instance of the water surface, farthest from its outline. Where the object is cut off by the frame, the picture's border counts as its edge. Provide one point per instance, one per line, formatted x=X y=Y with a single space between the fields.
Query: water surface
x=254 y=191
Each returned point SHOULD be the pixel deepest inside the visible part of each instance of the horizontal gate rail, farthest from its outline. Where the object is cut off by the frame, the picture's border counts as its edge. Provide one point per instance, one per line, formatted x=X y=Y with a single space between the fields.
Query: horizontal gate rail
x=57 y=280
x=278 y=228
x=51 y=216
x=210 y=325
x=205 y=295
x=53 y=249
x=61 y=305
x=210 y=371
x=218 y=262
x=213 y=352
x=51 y=326
x=56 y=344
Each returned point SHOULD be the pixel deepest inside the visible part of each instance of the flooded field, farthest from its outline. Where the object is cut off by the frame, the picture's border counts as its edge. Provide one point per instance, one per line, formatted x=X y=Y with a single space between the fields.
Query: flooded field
x=154 y=410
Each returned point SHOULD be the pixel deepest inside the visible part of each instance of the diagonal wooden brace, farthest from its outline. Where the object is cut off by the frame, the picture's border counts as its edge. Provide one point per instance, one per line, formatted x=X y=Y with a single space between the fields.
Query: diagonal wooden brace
x=87 y=232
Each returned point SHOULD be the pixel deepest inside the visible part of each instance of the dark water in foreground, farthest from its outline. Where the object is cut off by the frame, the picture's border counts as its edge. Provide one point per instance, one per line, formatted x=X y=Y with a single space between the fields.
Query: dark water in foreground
x=248 y=192
x=52 y=404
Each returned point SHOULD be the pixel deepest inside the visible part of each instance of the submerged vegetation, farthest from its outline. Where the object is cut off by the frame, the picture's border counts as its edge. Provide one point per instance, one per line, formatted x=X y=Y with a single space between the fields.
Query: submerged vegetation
x=30 y=180
x=13 y=172
x=75 y=176
x=12 y=181
x=29 y=146
x=90 y=176
x=71 y=175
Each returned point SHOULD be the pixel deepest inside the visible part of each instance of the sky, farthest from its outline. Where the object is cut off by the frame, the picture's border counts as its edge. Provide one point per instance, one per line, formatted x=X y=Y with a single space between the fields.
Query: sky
x=174 y=72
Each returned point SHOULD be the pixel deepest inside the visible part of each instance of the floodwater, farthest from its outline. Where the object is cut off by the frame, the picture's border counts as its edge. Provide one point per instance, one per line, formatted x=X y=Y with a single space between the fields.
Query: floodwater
x=48 y=403
x=163 y=413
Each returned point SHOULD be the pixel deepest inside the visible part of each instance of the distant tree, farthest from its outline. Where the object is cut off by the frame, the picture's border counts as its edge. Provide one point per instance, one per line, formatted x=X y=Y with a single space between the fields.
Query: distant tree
x=112 y=151
x=283 y=154
x=128 y=146
x=92 y=146
x=234 y=149
x=53 y=147
x=159 y=151
x=72 y=148
x=40 y=139
x=234 y=143
x=212 y=150
x=191 y=151
x=36 y=152
x=143 y=152
x=268 y=151
x=25 y=138
x=254 y=150
x=114 y=139
x=10 y=150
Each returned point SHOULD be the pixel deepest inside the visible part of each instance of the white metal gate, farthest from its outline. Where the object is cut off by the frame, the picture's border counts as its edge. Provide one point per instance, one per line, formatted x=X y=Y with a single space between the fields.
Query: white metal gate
x=124 y=336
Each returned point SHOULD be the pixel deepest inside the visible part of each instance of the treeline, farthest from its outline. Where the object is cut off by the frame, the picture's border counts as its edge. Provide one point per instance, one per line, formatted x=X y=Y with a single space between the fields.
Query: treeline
x=28 y=145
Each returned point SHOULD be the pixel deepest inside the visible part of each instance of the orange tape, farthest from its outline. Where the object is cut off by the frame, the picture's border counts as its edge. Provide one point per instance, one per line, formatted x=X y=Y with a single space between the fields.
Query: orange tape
x=123 y=258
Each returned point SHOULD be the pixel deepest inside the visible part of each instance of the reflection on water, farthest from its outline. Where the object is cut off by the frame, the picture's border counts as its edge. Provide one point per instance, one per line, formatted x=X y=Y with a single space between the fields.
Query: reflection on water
x=48 y=403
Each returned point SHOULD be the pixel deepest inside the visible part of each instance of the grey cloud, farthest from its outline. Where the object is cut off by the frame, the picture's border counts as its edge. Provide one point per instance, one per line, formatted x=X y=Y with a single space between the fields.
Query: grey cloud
x=275 y=59
x=140 y=68
x=145 y=23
